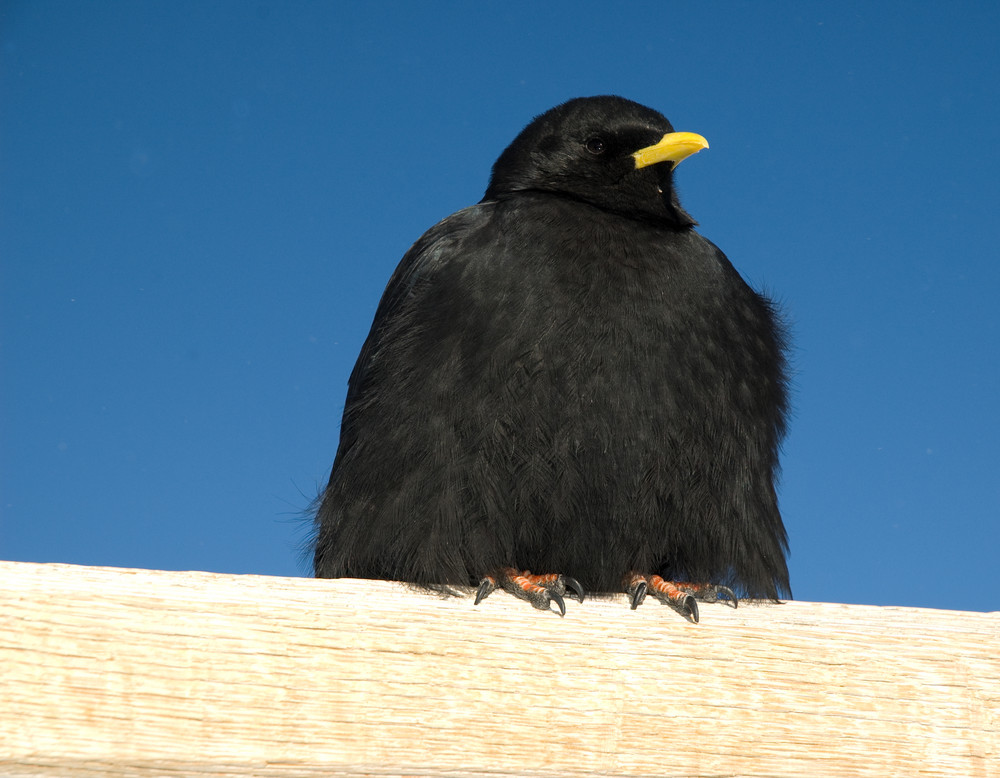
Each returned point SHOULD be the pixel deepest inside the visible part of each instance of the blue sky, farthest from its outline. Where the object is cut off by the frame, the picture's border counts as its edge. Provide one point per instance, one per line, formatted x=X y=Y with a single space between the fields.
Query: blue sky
x=200 y=204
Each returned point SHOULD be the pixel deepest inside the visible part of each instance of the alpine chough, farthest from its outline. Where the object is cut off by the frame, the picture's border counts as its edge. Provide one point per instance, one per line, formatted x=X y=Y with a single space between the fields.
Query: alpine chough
x=567 y=385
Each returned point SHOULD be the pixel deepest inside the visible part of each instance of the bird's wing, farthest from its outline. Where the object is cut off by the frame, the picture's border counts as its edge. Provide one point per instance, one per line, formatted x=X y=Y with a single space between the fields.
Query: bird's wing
x=437 y=250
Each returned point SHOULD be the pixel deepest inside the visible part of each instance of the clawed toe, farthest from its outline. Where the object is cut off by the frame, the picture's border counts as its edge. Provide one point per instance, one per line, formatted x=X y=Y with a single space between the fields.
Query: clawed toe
x=725 y=590
x=539 y=590
x=637 y=591
x=689 y=608
x=574 y=585
x=682 y=597
x=486 y=588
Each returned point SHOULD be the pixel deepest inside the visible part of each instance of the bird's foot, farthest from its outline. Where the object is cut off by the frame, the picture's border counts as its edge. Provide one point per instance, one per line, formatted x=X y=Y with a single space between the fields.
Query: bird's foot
x=540 y=590
x=682 y=597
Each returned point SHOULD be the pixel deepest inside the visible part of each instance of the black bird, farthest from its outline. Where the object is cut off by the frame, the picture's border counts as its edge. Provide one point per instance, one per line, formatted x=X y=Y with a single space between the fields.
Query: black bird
x=566 y=378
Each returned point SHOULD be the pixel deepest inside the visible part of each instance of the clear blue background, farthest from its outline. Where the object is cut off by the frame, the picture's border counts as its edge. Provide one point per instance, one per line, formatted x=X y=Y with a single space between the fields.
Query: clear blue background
x=200 y=204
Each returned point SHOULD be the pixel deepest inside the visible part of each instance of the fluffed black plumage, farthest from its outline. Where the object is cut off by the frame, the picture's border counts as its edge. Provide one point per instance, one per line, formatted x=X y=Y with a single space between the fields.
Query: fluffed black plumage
x=565 y=377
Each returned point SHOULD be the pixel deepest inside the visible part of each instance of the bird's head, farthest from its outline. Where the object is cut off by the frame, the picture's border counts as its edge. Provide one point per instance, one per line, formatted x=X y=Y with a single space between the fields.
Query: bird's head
x=607 y=151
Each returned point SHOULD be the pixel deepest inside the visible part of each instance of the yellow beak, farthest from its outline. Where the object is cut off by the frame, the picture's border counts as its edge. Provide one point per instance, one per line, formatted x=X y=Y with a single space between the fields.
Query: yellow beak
x=672 y=147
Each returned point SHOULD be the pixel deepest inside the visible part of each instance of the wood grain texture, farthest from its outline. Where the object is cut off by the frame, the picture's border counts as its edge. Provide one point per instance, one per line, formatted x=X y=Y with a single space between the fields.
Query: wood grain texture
x=114 y=672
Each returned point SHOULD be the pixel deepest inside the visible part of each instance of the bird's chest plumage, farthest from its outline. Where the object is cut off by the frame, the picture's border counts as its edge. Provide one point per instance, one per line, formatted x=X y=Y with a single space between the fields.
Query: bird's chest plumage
x=607 y=325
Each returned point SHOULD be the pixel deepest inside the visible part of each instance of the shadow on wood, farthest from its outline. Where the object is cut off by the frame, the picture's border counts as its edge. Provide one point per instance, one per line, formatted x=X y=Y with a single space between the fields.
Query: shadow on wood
x=114 y=672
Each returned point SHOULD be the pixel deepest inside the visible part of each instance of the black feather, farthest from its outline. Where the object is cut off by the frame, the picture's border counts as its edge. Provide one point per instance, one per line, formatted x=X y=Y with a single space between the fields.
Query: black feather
x=565 y=377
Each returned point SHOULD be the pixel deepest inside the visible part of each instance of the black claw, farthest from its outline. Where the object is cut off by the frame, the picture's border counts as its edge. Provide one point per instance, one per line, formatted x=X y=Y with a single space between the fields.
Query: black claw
x=728 y=593
x=574 y=585
x=692 y=605
x=638 y=594
x=558 y=600
x=486 y=587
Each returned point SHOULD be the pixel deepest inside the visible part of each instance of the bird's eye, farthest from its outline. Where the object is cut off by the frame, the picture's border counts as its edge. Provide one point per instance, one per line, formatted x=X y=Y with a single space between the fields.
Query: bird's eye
x=596 y=146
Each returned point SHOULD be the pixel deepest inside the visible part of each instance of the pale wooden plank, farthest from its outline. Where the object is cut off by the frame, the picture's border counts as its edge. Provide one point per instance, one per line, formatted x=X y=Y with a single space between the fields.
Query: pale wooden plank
x=114 y=672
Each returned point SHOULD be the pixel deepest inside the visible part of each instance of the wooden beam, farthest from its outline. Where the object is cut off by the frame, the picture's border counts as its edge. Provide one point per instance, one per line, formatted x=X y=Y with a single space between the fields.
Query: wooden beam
x=114 y=672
